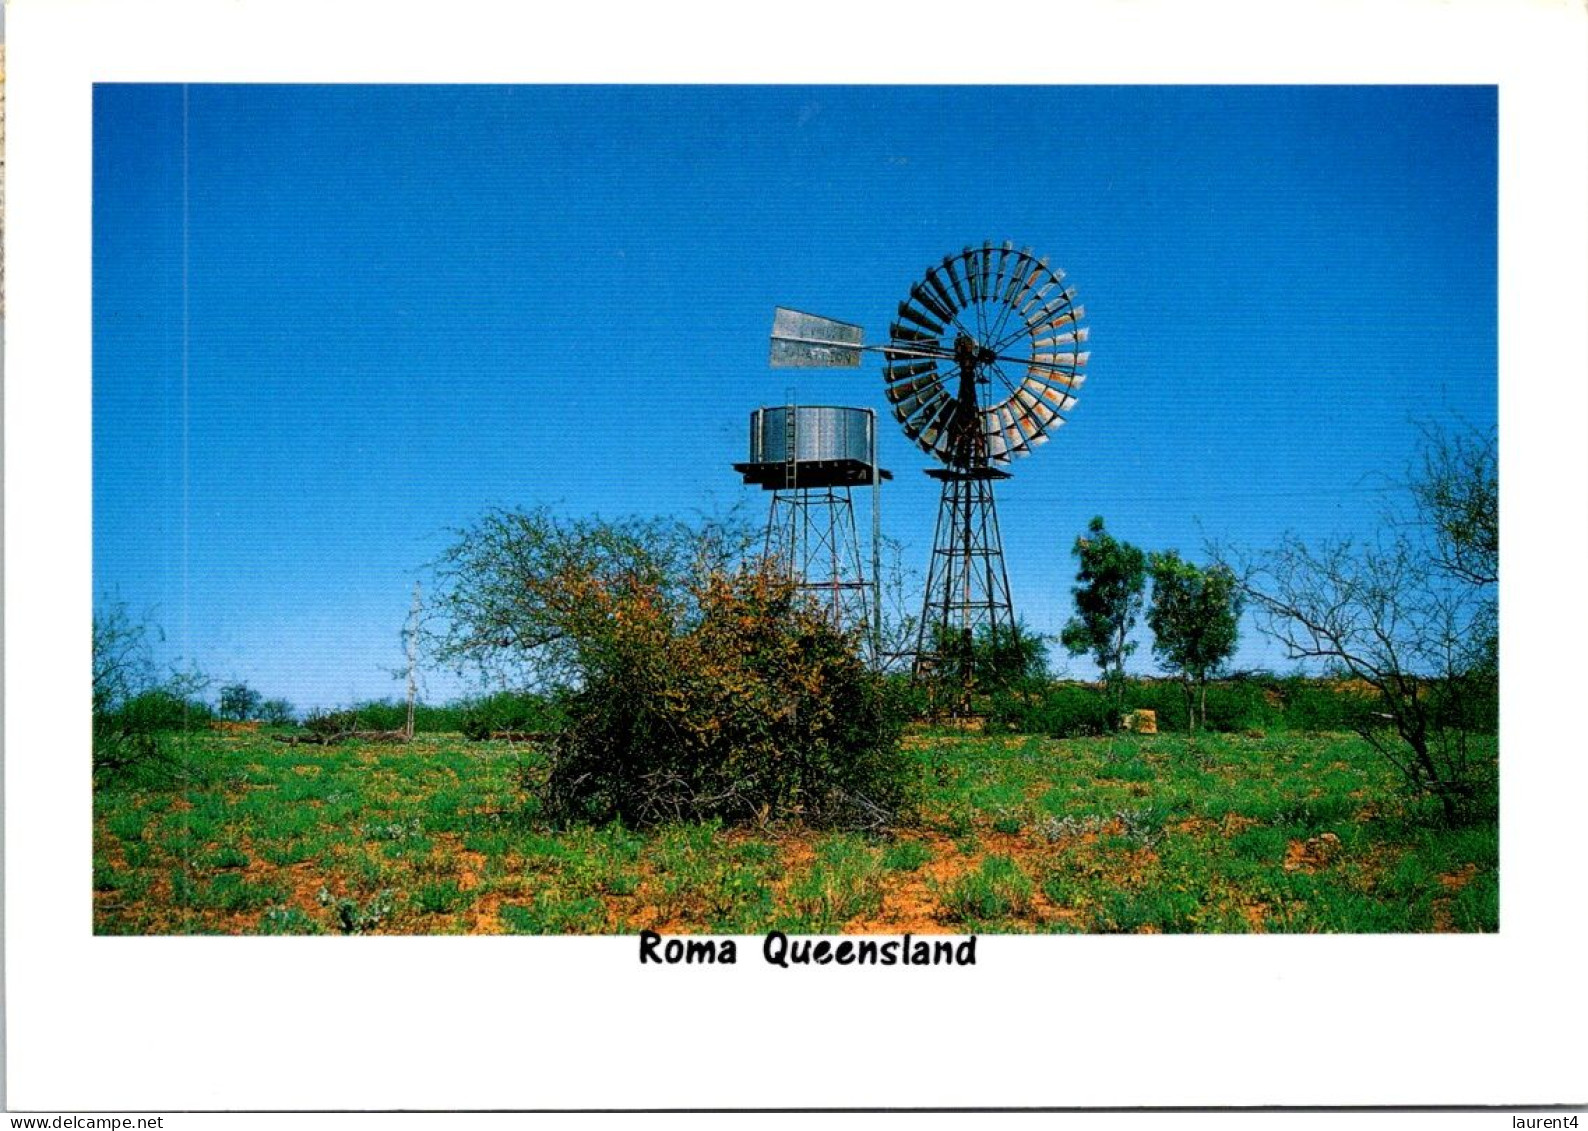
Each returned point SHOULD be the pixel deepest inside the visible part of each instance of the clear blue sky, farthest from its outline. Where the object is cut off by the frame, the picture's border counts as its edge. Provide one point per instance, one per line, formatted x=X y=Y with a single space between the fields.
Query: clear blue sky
x=405 y=305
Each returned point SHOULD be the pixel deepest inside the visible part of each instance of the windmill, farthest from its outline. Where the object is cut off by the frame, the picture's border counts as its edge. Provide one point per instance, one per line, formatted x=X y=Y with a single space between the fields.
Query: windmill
x=981 y=364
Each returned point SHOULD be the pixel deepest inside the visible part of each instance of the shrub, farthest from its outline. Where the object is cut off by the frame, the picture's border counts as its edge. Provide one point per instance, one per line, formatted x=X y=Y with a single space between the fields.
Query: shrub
x=390 y=714
x=134 y=709
x=1164 y=698
x=1063 y=710
x=287 y=921
x=379 y=714
x=1243 y=702
x=355 y=918
x=161 y=709
x=1240 y=704
x=1324 y=704
x=509 y=712
x=442 y=898
x=740 y=703
x=1014 y=657
x=1470 y=702
x=910 y=698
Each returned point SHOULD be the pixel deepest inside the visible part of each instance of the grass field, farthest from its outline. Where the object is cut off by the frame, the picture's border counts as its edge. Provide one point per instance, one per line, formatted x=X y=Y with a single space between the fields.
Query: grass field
x=1284 y=833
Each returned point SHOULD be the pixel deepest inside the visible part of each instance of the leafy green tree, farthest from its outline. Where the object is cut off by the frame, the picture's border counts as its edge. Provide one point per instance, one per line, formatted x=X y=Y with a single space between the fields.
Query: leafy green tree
x=1195 y=621
x=1108 y=599
x=239 y=701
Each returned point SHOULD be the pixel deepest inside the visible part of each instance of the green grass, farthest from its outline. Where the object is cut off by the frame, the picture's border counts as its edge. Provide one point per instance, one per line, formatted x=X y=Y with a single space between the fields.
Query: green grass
x=231 y=892
x=552 y=914
x=995 y=891
x=905 y=856
x=1156 y=834
x=441 y=898
x=841 y=884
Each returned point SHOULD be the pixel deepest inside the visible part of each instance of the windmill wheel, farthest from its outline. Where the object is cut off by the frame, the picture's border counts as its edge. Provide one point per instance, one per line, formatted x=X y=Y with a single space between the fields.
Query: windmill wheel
x=983 y=361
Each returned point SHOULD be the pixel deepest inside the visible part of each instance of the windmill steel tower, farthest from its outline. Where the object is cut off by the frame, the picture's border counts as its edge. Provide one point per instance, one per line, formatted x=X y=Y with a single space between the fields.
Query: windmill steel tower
x=981 y=364
x=810 y=457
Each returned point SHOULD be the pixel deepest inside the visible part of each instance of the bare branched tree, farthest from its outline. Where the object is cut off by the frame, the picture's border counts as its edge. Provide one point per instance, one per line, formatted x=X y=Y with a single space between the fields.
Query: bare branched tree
x=1411 y=614
x=123 y=665
x=134 y=702
x=1380 y=614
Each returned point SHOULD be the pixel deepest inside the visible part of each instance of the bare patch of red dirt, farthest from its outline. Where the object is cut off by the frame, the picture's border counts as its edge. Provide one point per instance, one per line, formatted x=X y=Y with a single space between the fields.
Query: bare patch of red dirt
x=486 y=914
x=1313 y=854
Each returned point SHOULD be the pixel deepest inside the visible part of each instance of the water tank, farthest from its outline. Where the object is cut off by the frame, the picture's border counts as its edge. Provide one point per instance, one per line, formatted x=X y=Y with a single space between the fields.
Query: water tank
x=818 y=433
x=827 y=445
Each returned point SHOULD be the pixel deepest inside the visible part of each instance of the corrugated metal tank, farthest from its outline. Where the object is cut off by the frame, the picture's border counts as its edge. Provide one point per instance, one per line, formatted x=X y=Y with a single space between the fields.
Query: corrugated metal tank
x=820 y=432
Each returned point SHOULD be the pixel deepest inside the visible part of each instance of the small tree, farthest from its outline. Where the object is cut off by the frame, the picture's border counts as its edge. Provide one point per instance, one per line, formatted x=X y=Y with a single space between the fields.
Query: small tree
x=123 y=666
x=1108 y=599
x=513 y=594
x=239 y=702
x=277 y=713
x=1455 y=489
x=1014 y=656
x=1195 y=621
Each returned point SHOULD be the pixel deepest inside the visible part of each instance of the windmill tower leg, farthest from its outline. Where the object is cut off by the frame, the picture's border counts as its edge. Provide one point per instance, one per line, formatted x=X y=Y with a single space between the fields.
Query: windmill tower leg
x=967 y=587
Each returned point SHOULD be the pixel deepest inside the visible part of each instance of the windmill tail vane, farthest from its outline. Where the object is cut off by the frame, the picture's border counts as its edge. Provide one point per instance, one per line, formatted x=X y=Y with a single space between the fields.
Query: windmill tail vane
x=809 y=341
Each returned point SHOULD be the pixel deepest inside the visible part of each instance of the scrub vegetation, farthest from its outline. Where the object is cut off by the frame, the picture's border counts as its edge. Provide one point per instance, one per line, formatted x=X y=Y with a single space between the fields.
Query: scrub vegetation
x=1279 y=832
